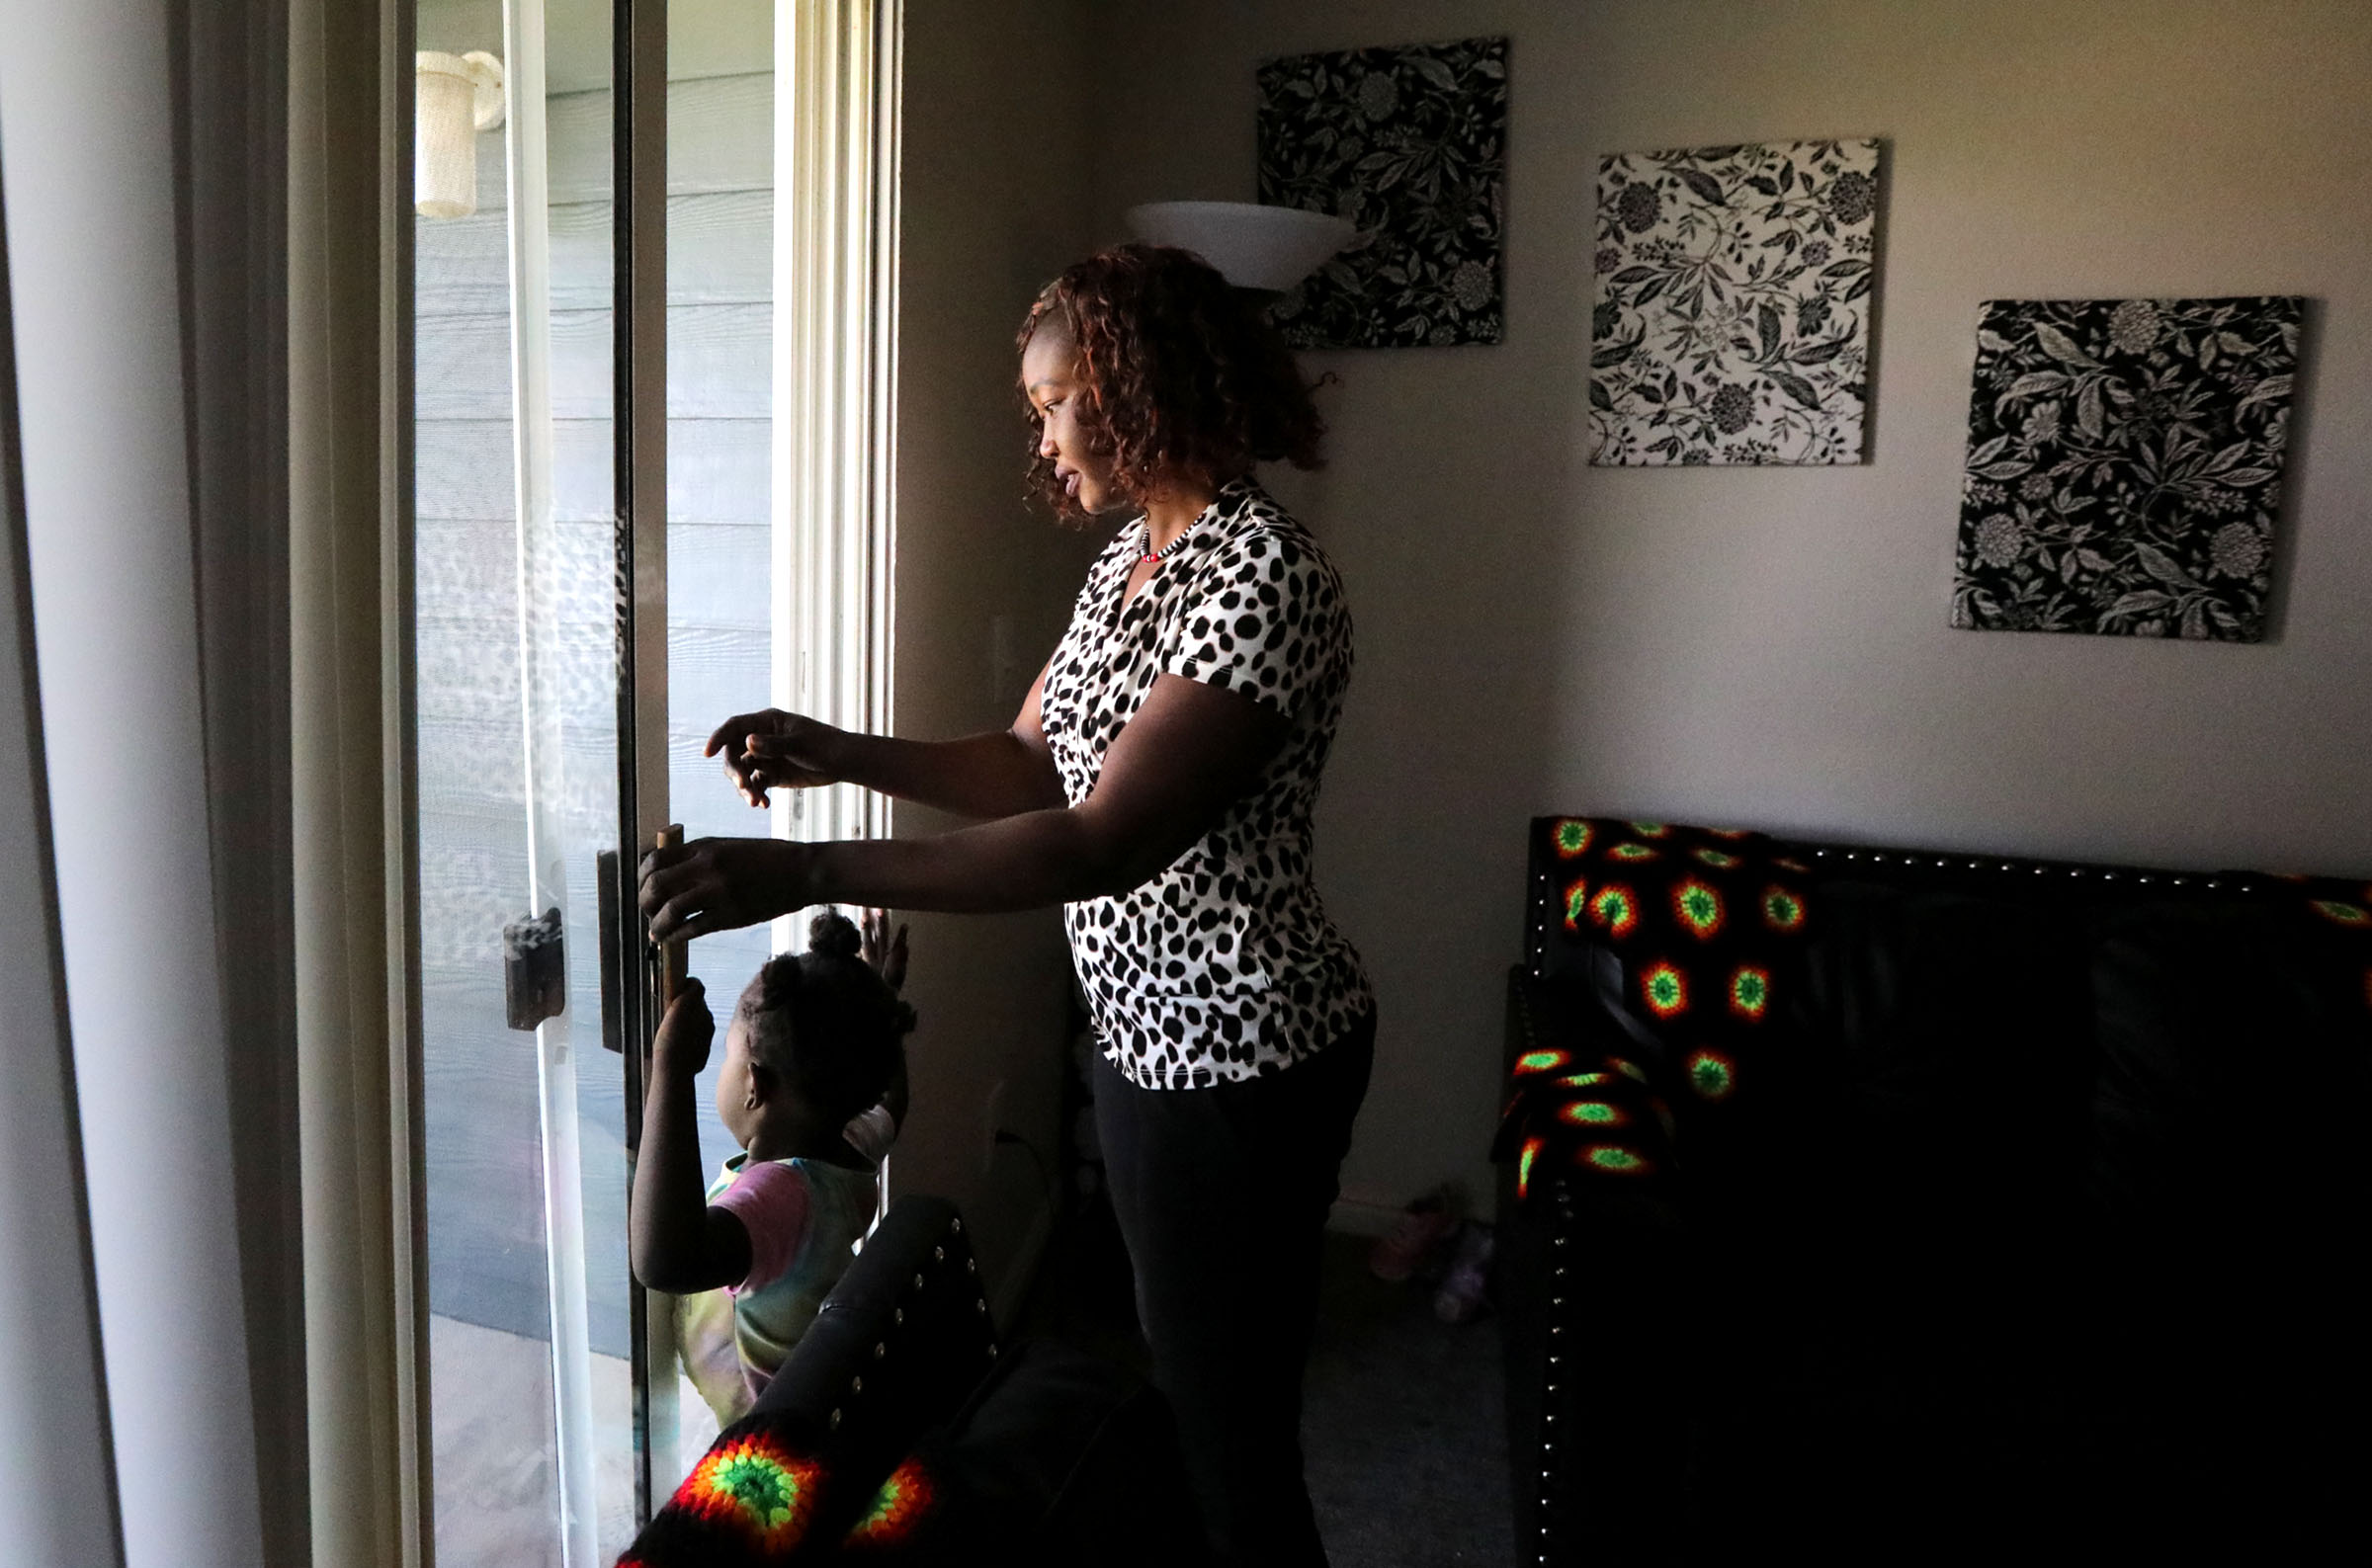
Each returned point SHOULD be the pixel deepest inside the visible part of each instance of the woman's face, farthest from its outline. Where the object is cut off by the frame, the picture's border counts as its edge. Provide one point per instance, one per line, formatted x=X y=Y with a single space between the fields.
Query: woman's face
x=1049 y=377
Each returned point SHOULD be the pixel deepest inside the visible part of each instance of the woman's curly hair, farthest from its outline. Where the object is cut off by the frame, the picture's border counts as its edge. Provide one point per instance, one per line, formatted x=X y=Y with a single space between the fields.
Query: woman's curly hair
x=1183 y=376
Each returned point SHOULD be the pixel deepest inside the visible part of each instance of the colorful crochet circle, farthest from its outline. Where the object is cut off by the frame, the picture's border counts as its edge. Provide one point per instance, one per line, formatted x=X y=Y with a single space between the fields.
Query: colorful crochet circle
x=1650 y=830
x=1629 y=1069
x=1572 y=836
x=1712 y=1075
x=1698 y=908
x=1591 y=1114
x=755 y=1485
x=1524 y=1160
x=898 y=1507
x=1615 y=910
x=1782 y=911
x=1615 y=1159
x=2333 y=910
x=1751 y=993
x=1635 y=853
x=1715 y=858
x=1532 y=1063
x=1576 y=904
x=1664 y=989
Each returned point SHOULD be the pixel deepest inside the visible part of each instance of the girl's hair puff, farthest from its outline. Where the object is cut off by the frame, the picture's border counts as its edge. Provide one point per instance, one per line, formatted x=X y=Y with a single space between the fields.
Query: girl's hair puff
x=825 y=1022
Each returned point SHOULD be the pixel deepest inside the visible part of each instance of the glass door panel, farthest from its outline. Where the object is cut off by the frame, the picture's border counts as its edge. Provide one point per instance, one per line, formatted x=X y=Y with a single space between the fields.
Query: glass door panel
x=720 y=237
x=531 y=1383
x=558 y=720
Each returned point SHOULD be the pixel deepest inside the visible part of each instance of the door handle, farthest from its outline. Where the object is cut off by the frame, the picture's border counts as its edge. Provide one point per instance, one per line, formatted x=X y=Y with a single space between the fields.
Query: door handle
x=613 y=1021
x=535 y=970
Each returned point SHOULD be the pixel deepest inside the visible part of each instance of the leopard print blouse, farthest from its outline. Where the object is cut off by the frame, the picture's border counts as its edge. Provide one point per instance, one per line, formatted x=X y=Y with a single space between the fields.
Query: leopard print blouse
x=1224 y=966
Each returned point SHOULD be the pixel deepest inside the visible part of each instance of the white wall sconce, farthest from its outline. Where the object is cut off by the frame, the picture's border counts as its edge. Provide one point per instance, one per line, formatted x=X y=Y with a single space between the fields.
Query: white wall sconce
x=457 y=96
x=1267 y=249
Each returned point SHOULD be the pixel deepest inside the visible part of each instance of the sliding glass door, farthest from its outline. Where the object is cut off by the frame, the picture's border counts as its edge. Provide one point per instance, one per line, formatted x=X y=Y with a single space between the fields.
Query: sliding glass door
x=543 y=411
x=646 y=499
x=530 y=1330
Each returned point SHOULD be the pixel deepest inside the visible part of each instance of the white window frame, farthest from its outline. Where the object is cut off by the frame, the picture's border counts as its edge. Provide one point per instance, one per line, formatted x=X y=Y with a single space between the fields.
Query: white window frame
x=837 y=125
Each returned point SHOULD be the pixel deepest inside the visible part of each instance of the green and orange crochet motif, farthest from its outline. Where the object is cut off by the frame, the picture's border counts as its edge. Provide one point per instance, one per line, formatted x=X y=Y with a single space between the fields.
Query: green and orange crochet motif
x=2341 y=915
x=1595 y=1116
x=754 y=1499
x=1701 y=918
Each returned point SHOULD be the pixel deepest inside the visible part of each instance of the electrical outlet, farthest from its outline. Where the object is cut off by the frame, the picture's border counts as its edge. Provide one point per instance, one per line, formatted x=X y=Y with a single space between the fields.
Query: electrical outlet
x=992 y=1107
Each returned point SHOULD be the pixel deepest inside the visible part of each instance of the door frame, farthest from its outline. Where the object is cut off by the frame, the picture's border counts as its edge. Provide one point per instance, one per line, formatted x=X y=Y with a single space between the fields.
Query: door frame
x=639 y=387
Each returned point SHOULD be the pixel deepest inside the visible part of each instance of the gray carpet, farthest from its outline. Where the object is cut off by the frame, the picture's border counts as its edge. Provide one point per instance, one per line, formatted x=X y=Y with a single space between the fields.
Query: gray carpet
x=1404 y=1420
x=1403 y=1427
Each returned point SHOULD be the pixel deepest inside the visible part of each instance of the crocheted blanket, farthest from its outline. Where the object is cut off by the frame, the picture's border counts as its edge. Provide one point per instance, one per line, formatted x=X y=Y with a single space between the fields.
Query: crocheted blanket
x=1701 y=918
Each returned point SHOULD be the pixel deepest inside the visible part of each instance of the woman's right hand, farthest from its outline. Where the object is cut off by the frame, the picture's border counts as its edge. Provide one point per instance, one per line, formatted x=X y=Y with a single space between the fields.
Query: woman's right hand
x=722 y=884
x=775 y=750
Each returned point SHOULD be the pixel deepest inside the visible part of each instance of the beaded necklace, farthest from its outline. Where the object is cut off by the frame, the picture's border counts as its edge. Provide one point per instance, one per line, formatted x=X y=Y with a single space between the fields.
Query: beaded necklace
x=1166 y=551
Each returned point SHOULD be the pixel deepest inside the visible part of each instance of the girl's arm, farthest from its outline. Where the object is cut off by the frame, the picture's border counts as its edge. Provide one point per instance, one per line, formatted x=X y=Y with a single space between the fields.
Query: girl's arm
x=885 y=951
x=680 y=1245
x=894 y=1094
x=996 y=773
x=1191 y=750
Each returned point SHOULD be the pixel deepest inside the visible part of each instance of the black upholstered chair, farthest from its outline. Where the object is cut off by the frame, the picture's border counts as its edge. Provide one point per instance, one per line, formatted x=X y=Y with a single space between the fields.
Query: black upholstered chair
x=901 y=1431
x=2030 y=1234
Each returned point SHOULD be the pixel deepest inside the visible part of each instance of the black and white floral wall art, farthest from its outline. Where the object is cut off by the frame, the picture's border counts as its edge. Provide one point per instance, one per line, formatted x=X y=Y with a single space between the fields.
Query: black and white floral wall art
x=2124 y=465
x=1409 y=145
x=1731 y=316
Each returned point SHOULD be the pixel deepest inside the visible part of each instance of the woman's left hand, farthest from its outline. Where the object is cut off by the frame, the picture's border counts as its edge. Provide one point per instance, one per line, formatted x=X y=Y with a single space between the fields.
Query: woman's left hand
x=718 y=884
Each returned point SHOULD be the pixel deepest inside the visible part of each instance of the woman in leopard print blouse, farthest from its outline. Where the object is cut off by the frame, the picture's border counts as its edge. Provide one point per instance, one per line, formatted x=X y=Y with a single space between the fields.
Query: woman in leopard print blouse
x=1158 y=784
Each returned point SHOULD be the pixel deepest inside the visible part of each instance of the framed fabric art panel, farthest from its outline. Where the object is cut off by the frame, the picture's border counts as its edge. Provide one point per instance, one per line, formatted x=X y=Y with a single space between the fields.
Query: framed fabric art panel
x=1410 y=146
x=1731 y=316
x=2124 y=465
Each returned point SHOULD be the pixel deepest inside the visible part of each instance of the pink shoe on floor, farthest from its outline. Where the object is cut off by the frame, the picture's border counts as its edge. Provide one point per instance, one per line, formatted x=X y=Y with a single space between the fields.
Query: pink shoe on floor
x=1422 y=1227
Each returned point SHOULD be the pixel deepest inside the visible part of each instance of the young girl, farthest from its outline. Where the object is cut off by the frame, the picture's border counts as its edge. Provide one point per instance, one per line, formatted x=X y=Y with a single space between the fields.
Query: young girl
x=812 y=1043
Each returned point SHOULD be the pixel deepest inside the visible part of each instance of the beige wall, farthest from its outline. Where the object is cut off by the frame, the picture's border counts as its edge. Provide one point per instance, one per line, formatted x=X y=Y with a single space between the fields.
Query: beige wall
x=995 y=176
x=1770 y=648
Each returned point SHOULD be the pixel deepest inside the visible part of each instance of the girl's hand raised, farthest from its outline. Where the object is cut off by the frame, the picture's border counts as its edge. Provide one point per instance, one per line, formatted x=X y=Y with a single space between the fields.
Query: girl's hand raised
x=686 y=1030
x=883 y=951
x=775 y=750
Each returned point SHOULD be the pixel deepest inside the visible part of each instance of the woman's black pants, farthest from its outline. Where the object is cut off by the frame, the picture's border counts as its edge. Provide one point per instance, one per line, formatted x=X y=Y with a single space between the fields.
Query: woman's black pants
x=1222 y=1196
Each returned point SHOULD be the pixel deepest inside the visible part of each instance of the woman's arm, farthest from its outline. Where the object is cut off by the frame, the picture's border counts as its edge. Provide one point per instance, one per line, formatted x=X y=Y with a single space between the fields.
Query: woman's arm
x=1191 y=750
x=680 y=1245
x=996 y=773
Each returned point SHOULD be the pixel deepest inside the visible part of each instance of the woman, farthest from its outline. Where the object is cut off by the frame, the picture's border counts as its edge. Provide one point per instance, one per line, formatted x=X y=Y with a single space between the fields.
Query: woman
x=1157 y=783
